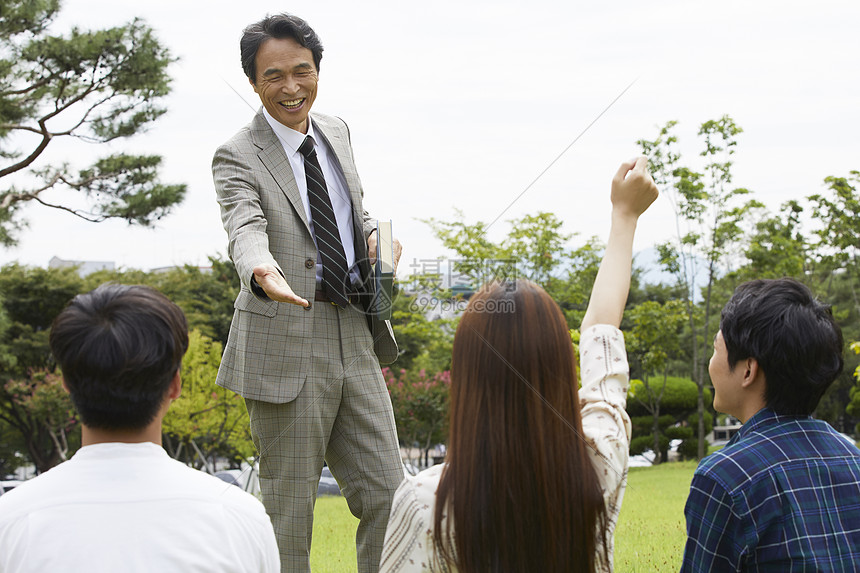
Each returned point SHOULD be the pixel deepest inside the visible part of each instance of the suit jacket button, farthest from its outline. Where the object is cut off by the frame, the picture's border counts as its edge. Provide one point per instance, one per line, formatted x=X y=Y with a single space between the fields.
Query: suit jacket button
x=310 y=263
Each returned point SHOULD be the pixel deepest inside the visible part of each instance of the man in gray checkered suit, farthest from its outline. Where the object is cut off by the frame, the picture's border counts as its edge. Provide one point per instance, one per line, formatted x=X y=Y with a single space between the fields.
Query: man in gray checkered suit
x=307 y=368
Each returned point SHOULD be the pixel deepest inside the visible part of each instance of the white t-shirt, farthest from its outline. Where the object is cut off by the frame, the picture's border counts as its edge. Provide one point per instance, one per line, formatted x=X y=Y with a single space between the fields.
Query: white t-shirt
x=409 y=546
x=130 y=507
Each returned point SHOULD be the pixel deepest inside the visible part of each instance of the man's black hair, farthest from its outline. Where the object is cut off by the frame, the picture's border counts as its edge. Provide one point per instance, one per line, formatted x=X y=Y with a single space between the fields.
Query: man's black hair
x=278 y=26
x=792 y=336
x=119 y=348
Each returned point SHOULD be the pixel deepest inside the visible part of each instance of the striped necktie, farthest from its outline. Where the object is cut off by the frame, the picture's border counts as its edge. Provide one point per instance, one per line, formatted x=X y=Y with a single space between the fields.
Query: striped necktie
x=334 y=267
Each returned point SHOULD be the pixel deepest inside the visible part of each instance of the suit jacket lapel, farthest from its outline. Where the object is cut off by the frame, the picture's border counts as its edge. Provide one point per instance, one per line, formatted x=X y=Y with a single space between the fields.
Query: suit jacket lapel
x=275 y=159
x=340 y=145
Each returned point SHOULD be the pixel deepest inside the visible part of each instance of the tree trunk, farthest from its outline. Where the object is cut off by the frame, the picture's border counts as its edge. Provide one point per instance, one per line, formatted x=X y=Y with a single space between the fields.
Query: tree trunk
x=700 y=388
x=60 y=443
x=700 y=406
x=44 y=459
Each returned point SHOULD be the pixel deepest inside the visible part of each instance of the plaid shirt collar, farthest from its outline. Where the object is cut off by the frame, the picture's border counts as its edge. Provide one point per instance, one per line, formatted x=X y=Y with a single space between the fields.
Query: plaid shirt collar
x=763 y=418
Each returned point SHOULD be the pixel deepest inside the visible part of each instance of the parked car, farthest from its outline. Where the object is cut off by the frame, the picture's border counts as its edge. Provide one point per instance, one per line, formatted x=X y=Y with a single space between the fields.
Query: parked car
x=328 y=485
x=8 y=485
x=248 y=480
x=233 y=477
x=245 y=479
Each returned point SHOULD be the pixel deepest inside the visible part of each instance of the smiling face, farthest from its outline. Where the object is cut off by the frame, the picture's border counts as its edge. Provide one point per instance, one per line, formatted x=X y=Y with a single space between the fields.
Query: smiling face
x=286 y=81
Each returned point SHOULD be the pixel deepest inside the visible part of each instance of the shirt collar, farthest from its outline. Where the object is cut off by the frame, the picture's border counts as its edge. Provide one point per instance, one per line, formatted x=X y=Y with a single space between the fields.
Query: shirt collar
x=764 y=417
x=119 y=449
x=290 y=138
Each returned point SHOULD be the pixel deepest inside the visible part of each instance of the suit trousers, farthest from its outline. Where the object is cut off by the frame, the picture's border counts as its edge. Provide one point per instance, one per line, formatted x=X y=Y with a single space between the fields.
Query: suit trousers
x=342 y=414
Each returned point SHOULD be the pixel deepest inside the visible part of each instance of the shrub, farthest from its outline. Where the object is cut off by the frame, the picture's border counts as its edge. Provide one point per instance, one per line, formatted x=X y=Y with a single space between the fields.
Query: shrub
x=680 y=395
x=689 y=449
x=640 y=444
x=693 y=422
x=678 y=432
x=677 y=406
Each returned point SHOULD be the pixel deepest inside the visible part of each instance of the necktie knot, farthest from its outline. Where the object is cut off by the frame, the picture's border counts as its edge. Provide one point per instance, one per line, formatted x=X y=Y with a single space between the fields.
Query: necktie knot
x=307 y=147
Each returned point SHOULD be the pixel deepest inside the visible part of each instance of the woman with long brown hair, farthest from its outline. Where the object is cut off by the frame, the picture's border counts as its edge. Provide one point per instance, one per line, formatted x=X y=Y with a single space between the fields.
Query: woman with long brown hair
x=536 y=469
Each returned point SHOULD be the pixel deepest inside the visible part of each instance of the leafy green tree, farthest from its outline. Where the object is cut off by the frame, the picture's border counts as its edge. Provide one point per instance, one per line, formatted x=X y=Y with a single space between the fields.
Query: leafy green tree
x=469 y=243
x=709 y=227
x=539 y=246
x=853 y=407
x=685 y=190
x=654 y=339
x=420 y=402
x=205 y=295
x=535 y=248
x=31 y=298
x=838 y=212
x=10 y=442
x=834 y=274
x=39 y=409
x=777 y=248
x=424 y=343
x=32 y=401
x=95 y=86
x=677 y=419
x=838 y=288
x=206 y=421
x=8 y=361
x=11 y=448
x=573 y=289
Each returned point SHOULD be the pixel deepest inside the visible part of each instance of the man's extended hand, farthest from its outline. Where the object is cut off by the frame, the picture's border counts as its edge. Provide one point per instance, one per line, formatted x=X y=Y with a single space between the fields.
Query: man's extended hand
x=371 y=250
x=275 y=285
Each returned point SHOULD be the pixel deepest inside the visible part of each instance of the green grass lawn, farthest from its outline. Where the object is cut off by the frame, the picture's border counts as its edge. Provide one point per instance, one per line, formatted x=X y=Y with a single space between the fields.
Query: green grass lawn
x=651 y=532
x=333 y=548
x=650 y=535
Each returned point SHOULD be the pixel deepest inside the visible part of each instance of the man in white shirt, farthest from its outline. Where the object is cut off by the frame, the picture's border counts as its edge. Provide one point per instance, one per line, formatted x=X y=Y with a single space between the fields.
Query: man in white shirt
x=121 y=503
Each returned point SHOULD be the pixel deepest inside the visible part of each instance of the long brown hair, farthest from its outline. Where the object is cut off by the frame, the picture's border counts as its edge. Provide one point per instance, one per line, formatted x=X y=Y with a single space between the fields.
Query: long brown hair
x=519 y=489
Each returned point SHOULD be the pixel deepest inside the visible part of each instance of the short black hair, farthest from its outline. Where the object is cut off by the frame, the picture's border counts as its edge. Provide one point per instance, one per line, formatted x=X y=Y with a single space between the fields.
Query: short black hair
x=792 y=336
x=119 y=347
x=278 y=26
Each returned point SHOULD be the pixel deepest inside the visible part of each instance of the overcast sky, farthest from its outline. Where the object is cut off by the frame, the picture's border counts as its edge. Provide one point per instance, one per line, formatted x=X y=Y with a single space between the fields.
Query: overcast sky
x=461 y=104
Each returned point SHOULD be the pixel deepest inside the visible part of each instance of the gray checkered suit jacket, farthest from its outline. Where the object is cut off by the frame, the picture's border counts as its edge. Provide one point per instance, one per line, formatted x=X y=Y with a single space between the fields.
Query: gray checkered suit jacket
x=268 y=348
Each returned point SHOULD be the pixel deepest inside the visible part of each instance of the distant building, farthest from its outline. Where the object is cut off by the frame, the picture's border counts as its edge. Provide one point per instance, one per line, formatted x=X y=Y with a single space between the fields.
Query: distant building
x=726 y=432
x=89 y=267
x=204 y=270
x=84 y=267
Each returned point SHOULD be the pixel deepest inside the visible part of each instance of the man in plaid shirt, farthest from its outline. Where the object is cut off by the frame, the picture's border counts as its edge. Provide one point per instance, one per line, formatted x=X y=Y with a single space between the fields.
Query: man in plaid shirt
x=784 y=494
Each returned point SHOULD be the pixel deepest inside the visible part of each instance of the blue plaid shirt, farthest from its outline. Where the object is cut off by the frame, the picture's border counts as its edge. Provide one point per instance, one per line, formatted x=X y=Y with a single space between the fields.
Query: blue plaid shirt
x=782 y=496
